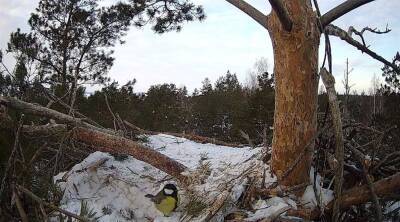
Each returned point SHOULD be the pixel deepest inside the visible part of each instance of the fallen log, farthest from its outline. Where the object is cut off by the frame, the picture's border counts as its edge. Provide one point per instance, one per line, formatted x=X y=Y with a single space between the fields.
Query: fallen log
x=193 y=137
x=355 y=196
x=116 y=144
x=100 y=139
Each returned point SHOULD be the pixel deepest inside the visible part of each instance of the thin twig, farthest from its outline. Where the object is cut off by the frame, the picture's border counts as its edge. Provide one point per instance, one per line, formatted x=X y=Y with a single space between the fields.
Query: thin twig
x=11 y=159
x=111 y=112
x=51 y=206
x=361 y=159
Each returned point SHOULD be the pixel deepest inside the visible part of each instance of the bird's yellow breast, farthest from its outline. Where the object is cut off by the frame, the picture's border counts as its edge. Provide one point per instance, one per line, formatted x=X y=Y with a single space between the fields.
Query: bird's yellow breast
x=167 y=205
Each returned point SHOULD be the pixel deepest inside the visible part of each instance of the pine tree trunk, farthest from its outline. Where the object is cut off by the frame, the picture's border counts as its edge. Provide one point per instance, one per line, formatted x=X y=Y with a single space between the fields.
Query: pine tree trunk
x=296 y=82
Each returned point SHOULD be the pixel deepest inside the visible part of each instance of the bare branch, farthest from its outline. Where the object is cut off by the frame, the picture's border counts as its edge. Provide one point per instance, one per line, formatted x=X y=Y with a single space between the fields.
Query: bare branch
x=102 y=139
x=361 y=158
x=51 y=206
x=282 y=13
x=341 y=9
x=38 y=110
x=336 y=31
x=250 y=11
x=329 y=82
x=361 y=33
x=354 y=196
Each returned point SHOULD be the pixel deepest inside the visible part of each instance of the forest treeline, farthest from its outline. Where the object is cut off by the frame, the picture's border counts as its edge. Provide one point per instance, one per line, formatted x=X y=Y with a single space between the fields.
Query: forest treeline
x=226 y=109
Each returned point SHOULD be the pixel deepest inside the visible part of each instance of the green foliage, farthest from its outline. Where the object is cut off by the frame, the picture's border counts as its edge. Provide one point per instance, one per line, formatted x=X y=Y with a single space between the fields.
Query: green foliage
x=166 y=15
x=391 y=77
x=72 y=38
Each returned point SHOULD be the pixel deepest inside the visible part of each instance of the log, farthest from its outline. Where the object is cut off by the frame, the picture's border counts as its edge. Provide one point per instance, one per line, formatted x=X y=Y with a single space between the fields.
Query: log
x=100 y=139
x=38 y=110
x=116 y=144
x=193 y=137
x=355 y=196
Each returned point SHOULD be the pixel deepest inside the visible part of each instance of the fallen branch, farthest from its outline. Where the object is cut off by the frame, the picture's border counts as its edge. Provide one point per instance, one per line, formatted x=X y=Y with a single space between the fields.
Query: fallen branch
x=117 y=144
x=361 y=158
x=38 y=110
x=355 y=196
x=193 y=137
x=11 y=160
x=51 y=206
x=100 y=139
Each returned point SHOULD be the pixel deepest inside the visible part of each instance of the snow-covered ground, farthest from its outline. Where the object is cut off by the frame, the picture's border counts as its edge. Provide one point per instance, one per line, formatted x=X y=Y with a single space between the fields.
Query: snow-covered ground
x=115 y=189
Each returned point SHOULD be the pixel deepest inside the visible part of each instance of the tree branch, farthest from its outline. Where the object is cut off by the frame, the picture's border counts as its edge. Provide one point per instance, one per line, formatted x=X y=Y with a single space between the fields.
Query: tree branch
x=51 y=206
x=338 y=32
x=250 y=11
x=283 y=15
x=341 y=9
x=354 y=196
x=329 y=82
x=38 y=110
x=100 y=139
x=361 y=158
x=361 y=33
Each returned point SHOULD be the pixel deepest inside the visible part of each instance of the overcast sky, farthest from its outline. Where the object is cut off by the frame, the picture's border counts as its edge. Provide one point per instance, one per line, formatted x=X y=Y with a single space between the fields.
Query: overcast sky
x=227 y=40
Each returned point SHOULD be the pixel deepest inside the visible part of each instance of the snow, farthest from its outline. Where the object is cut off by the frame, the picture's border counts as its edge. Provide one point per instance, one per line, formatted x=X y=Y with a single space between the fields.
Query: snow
x=115 y=189
x=325 y=195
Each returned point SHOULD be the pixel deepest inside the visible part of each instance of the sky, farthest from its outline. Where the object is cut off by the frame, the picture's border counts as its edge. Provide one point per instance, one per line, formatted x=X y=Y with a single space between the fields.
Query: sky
x=227 y=40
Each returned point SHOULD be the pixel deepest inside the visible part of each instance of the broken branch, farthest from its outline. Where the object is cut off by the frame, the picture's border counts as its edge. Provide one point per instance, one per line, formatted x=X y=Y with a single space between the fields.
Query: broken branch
x=101 y=139
x=355 y=196
x=329 y=82
x=338 y=32
x=51 y=206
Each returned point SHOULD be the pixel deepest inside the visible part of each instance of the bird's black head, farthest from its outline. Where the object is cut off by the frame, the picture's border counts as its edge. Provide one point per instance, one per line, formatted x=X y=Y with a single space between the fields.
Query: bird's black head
x=170 y=190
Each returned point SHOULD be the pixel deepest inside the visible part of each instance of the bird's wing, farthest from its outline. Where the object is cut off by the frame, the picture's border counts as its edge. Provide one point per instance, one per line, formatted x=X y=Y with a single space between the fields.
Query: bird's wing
x=156 y=199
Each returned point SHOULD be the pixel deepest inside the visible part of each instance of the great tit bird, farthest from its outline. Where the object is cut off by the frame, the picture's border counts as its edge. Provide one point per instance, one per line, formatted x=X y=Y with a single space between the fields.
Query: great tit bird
x=166 y=200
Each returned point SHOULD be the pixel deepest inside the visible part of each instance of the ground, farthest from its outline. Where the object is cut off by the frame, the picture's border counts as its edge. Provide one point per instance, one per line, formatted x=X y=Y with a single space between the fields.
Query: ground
x=114 y=188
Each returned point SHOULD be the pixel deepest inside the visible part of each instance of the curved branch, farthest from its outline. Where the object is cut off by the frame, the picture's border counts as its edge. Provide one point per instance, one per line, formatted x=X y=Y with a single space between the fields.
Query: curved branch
x=338 y=32
x=250 y=11
x=341 y=9
x=282 y=13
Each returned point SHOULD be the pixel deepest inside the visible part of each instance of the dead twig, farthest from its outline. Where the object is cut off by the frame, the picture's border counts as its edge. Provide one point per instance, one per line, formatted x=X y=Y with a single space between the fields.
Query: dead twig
x=361 y=159
x=11 y=159
x=361 y=33
x=51 y=206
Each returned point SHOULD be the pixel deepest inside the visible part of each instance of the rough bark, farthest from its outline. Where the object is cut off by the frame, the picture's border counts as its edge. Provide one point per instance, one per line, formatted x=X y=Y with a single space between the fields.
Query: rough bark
x=329 y=82
x=116 y=144
x=296 y=81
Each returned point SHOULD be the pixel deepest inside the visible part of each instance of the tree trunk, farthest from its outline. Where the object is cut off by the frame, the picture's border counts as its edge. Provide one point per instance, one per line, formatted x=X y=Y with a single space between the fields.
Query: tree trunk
x=296 y=85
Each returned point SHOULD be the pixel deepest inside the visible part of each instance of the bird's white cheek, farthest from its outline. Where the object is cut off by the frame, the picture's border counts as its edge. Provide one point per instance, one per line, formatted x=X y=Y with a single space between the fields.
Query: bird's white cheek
x=168 y=191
